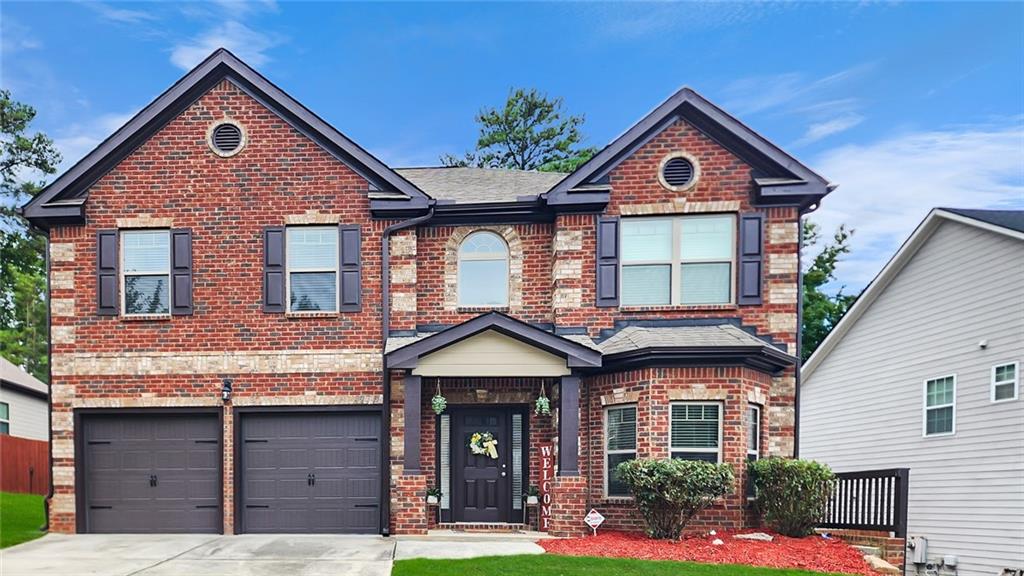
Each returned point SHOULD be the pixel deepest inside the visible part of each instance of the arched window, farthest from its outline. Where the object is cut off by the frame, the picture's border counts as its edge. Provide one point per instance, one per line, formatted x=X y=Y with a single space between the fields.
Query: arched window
x=483 y=270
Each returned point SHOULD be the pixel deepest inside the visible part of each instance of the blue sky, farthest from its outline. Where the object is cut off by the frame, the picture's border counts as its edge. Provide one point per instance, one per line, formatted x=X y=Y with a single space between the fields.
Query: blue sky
x=905 y=105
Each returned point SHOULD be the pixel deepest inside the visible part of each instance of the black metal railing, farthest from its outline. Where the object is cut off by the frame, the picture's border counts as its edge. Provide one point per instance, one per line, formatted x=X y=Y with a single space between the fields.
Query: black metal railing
x=870 y=500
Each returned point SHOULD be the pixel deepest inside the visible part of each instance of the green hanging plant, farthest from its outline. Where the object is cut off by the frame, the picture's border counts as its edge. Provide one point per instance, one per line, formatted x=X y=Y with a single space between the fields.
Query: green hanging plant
x=543 y=406
x=438 y=402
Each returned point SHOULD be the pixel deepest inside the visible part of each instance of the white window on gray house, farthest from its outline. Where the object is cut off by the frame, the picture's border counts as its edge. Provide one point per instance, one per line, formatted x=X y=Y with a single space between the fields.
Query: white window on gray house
x=483 y=271
x=1005 y=380
x=696 y=431
x=678 y=261
x=312 y=263
x=939 y=406
x=753 y=444
x=620 y=446
x=146 y=262
x=5 y=418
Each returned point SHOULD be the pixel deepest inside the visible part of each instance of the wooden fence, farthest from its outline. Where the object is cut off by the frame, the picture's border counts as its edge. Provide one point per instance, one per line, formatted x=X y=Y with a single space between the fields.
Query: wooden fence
x=24 y=465
x=870 y=500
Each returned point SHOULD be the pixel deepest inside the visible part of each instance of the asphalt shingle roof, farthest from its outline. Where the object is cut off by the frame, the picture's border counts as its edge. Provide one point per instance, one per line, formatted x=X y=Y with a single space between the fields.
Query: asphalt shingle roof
x=12 y=373
x=633 y=338
x=1011 y=219
x=465 y=185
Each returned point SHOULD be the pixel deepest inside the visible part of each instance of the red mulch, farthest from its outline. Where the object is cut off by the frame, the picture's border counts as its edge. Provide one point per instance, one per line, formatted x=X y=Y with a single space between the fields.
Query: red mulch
x=810 y=553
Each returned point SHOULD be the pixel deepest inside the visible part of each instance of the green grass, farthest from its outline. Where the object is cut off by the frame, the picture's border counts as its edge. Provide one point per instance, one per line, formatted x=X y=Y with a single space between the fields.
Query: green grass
x=21 y=516
x=552 y=565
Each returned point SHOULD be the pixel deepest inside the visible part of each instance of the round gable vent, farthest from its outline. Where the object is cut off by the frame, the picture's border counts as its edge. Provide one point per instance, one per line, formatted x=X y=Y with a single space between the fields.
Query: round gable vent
x=226 y=138
x=678 y=172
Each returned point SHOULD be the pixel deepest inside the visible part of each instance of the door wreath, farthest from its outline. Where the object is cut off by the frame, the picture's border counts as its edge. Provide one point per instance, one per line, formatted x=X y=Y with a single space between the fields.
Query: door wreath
x=483 y=444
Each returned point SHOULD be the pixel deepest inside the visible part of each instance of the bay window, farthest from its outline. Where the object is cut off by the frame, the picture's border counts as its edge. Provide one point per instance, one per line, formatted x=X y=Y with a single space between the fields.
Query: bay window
x=696 y=431
x=620 y=446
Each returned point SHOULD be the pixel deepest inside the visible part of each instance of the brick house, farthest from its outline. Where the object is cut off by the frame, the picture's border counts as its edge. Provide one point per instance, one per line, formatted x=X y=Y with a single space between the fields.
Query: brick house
x=251 y=314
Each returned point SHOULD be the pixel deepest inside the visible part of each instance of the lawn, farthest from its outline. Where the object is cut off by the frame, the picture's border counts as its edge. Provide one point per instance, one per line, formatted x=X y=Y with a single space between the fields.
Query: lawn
x=21 y=516
x=552 y=565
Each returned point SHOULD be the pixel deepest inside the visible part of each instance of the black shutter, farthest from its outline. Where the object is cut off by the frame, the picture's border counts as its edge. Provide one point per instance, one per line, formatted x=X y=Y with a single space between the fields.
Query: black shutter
x=350 y=268
x=181 y=272
x=751 y=258
x=106 y=273
x=273 y=270
x=608 y=261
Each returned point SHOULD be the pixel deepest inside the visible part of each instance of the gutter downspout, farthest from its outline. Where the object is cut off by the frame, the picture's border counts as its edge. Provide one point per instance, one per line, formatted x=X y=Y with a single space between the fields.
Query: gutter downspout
x=49 y=375
x=801 y=212
x=385 y=329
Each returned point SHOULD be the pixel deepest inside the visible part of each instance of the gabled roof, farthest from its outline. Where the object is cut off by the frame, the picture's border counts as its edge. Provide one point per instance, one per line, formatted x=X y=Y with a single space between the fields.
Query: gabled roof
x=13 y=377
x=778 y=177
x=63 y=199
x=1005 y=222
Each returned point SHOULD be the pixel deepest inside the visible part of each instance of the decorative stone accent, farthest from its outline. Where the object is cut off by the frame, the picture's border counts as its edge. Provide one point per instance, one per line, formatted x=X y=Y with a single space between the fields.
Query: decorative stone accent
x=567 y=298
x=679 y=206
x=62 y=334
x=783 y=386
x=311 y=217
x=783 y=232
x=756 y=396
x=145 y=221
x=782 y=293
x=62 y=252
x=403 y=274
x=566 y=240
x=781 y=322
x=62 y=280
x=62 y=448
x=697 y=393
x=149 y=402
x=780 y=446
x=215 y=362
x=564 y=269
x=515 y=265
x=783 y=416
x=782 y=264
x=62 y=306
x=403 y=245
x=620 y=397
x=403 y=301
x=310 y=398
x=62 y=503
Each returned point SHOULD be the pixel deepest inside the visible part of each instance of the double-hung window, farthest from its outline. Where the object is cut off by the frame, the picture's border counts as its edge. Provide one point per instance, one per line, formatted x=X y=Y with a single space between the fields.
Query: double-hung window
x=696 y=431
x=940 y=406
x=685 y=260
x=146 y=262
x=5 y=418
x=753 y=444
x=1005 y=380
x=620 y=445
x=312 y=268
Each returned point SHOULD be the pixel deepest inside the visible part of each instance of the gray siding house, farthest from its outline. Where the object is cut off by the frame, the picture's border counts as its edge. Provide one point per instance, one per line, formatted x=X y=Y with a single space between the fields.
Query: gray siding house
x=24 y=408
x=924 y=373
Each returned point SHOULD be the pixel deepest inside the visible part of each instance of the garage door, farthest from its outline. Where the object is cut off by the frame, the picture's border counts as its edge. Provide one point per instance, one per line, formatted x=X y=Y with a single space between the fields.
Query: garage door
x=311 y=472
x=151 y=473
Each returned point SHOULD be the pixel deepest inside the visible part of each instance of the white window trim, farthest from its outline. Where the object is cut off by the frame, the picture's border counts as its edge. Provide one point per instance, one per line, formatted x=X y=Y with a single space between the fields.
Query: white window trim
x=288 y=269
x=1015 y=382
x=607 y=452
x=483 y=258
x=721 y=418
x=8 y=419
x=925 y=407
x=676 y=261
x=122 y=277
x=760 y=432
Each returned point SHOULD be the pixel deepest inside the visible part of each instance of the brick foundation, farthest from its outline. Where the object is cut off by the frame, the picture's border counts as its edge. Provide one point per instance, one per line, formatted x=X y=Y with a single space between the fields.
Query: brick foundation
x=568 y=506
x=893 y=549
x=409 y=504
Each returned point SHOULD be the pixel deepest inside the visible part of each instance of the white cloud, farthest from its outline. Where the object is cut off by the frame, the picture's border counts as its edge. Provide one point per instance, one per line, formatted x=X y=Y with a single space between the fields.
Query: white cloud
x=246 y=43
x=887 y=187
x=14 y=38
x=120 y=15
x=77 y=140
x=820 y=130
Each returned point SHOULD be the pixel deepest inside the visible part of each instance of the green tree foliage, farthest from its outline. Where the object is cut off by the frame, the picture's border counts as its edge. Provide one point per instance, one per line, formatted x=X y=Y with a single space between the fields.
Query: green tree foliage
x=792 y=494
x=669 y=493
x=530 y=132
x=23 y=329
x=822 y=311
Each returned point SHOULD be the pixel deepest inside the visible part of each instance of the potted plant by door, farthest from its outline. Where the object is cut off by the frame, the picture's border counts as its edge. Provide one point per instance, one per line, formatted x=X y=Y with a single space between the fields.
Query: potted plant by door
x=433 y=495
x=532 y=496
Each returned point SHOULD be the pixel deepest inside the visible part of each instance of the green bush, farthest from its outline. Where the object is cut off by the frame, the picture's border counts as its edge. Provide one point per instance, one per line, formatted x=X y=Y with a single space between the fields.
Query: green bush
x=669 y=493
x=792 y=494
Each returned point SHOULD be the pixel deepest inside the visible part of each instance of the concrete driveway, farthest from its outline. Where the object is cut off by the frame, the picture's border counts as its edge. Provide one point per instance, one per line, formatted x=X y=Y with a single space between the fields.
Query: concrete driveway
x=244 y=555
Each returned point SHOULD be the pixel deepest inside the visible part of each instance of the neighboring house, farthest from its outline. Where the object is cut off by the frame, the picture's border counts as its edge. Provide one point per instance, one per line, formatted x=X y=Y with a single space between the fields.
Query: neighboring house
x=24 y=405
x=222 y=360
x=923 y=373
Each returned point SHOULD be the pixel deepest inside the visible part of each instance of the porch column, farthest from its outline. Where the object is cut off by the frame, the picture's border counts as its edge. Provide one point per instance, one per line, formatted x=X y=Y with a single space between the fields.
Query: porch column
x=569 y=426
x=412 y=424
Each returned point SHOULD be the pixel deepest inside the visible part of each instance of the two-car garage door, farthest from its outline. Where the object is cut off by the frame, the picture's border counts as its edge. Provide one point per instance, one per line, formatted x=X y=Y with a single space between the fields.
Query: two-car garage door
x=297 y=472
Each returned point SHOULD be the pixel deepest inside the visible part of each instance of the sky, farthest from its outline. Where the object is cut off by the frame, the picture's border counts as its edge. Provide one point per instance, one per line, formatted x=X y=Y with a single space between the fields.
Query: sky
x=906 y=106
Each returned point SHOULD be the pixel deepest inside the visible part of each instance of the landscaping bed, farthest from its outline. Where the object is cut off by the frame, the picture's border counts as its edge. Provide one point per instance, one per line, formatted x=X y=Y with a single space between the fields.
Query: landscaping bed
x=811 y=553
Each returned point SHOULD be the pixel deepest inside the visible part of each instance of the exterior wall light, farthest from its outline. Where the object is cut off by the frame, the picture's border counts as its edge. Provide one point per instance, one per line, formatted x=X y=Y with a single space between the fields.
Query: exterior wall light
x=225 y=390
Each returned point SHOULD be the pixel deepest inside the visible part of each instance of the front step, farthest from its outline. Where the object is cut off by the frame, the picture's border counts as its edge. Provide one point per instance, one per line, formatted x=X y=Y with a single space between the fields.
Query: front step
x=481 y=527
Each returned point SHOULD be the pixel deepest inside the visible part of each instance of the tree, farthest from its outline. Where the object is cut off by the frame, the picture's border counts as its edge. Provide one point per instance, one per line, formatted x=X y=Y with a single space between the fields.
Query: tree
x=823 y=311
x=23 y=328
x=531 y=132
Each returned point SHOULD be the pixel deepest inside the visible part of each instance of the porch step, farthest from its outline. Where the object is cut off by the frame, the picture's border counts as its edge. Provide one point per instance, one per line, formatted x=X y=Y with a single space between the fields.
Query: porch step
x=481 y=527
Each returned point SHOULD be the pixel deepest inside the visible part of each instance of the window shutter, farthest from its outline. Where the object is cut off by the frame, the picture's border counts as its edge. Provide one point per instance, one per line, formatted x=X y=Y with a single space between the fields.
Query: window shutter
x=273 y=270
x=350 y=268
x=106 y=273
x=608 y=261
x=751 y=258
x=181 y=272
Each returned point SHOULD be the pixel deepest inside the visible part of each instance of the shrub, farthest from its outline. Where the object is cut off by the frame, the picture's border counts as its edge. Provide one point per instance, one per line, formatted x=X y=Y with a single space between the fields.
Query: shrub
x=792 y=494
x=669 y=493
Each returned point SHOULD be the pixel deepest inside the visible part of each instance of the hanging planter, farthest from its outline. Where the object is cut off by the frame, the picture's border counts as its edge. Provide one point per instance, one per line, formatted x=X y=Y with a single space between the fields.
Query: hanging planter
x=543 y=405
x=438 y=402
